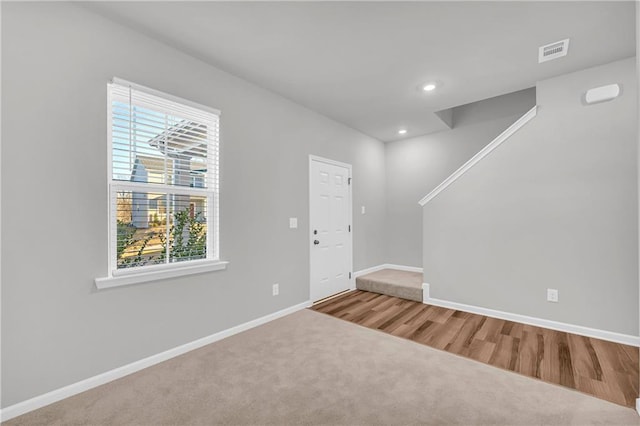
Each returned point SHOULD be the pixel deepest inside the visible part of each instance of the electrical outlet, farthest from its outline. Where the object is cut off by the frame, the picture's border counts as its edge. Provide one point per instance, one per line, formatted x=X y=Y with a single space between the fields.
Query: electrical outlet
x=552 y=295
x=275 y=290
x=293 y=222
x=363 y=210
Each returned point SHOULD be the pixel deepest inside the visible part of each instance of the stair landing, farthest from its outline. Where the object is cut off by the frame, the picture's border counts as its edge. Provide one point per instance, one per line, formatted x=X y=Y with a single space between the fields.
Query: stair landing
x=392 y=282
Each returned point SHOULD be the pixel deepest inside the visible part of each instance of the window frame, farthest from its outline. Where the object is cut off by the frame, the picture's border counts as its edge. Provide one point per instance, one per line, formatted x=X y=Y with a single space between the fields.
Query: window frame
x=125 y=276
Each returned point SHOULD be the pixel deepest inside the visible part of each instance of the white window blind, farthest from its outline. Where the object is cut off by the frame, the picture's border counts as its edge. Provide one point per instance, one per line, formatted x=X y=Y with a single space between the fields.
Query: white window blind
x=164 y=161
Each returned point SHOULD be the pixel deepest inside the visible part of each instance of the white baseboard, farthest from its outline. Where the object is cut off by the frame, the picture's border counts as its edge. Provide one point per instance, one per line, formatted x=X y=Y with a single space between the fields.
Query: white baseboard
x=367 y=271
x=95 y=381
x=540 y=322
x=386 y=266
x=425 y=292
x=402 y=267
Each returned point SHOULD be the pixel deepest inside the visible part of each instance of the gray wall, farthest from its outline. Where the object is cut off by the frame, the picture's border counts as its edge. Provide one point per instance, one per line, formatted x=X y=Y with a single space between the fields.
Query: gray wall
x=555 y=206
x=638 y=133
x=56 y=327
x=638 y=130
x=415 y=166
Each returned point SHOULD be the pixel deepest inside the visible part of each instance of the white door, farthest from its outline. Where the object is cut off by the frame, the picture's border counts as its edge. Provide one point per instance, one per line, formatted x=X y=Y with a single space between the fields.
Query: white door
x=330 y=227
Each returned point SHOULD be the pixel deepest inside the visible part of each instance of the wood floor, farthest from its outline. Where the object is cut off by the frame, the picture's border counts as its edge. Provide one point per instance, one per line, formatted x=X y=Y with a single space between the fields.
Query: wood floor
x=597 y=367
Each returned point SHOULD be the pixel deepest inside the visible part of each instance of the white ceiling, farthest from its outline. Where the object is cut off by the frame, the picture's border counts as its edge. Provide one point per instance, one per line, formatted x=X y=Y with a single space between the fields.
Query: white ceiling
x=361 y=63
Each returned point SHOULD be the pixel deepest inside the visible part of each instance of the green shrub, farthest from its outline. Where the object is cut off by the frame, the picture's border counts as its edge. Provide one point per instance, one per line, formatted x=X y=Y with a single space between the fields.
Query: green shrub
x=187 y=240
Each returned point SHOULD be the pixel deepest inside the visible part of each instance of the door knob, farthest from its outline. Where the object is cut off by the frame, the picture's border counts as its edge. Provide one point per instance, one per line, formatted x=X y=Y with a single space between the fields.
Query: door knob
x=316 y=242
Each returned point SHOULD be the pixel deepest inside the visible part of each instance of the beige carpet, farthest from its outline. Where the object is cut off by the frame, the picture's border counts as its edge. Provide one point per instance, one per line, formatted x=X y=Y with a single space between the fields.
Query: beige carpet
x=310 y=368
x=392 y=282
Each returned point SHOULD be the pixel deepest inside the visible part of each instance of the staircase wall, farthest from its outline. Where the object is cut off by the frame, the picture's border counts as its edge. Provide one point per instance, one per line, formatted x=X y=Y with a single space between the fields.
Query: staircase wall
x=415 y=166
x=555 y=206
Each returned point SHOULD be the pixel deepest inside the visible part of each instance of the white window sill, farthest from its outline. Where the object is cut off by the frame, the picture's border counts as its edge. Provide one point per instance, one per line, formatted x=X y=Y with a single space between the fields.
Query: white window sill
x=125 y=277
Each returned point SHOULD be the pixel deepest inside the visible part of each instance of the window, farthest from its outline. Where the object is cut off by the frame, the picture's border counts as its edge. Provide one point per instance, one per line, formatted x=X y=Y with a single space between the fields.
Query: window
x=163 y=185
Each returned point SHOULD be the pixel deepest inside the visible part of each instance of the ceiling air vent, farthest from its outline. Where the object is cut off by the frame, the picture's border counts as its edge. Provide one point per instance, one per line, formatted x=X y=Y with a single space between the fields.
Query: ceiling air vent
x=553 y=50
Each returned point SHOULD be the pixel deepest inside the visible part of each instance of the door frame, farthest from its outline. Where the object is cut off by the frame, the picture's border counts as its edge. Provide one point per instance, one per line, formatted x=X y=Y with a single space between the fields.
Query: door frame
x=316 y=158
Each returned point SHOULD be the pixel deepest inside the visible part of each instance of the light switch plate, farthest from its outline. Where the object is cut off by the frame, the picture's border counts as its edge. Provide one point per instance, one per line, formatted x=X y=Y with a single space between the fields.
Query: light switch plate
x=293 y=222
x=363 y=210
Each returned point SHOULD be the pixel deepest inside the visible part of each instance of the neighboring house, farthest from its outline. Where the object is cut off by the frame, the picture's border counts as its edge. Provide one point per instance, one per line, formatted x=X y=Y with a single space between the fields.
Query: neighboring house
x=145 y=207
x=185 y=144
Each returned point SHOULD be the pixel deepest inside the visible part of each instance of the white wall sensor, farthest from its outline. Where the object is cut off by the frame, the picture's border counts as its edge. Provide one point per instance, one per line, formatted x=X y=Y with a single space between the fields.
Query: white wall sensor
x=602 y=94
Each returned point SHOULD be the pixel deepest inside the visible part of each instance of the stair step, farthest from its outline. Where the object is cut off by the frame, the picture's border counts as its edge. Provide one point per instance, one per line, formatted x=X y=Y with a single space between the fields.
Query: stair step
x=393 y=282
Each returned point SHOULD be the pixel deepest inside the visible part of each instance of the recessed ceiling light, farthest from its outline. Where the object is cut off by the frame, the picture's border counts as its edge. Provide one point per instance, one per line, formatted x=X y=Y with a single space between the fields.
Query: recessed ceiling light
x=428 y=87
x=402 y=131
